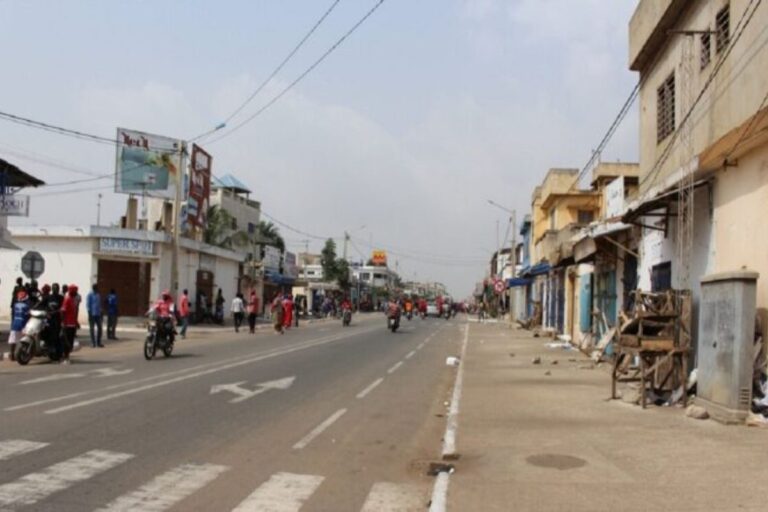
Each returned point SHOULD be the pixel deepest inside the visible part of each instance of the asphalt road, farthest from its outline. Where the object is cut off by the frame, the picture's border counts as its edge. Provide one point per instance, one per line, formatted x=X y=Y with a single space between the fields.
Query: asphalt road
x=321 y=418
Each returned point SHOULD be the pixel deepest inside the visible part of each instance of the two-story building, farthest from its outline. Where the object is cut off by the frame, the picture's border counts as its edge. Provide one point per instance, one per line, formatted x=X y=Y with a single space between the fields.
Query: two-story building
x=703 y=142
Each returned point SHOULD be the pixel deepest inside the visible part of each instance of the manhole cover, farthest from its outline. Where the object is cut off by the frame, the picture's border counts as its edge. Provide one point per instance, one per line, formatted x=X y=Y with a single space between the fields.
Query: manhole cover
x=556 y=461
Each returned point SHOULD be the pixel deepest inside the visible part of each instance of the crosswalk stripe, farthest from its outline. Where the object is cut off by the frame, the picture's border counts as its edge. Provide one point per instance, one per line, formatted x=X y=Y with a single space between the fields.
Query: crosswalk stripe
x=34 y=487
x=283 y=492
x=389 y=497
x=167 y=489
x=13 y=447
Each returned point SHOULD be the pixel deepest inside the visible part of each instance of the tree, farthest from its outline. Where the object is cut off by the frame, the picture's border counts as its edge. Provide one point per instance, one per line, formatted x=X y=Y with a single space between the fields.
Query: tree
x=218 y=229
x=269 y=234
x=343 y=275
x=328 y=260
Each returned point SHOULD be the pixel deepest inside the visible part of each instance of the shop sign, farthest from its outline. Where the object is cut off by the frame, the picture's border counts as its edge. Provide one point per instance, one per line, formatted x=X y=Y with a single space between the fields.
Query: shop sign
x=207 y=262
x=126 y=246
x=147 y=164
x=199 y=187
x=272 y=259
x=614 y=198
x=290 y=269
x=379 y=258
x=16 y=205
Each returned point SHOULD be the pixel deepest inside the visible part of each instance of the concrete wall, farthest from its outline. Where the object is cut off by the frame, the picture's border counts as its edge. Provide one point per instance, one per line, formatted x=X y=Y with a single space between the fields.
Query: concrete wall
x=740 y=206
x=731 y=100
x=241 y=208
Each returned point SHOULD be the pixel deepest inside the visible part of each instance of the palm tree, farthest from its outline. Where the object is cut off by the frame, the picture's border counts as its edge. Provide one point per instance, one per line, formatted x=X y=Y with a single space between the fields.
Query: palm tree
x=269 y=234
x=218 y=230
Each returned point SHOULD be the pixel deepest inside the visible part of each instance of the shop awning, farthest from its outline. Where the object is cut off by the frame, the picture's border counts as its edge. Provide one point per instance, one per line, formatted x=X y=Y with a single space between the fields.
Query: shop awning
x=278 y=278
x=537 y=270
x=586 y=248
x=518 y=281
x=648 y=205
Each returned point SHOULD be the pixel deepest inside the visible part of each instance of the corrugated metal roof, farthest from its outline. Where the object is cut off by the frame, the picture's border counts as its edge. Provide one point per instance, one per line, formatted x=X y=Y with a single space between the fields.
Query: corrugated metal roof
x=230 y=182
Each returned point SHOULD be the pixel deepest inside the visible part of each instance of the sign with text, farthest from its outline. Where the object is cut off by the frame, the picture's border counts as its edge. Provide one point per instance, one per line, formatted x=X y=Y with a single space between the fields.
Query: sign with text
x=290 y=268
x=199 y=186
x=147 y=164
x=271 y=260
x=14 y=206
x=379 y=257
x=614 y=198
x=126 y=246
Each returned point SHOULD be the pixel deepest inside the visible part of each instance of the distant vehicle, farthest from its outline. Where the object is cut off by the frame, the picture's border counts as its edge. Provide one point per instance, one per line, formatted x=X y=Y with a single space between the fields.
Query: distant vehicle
x=432 y=309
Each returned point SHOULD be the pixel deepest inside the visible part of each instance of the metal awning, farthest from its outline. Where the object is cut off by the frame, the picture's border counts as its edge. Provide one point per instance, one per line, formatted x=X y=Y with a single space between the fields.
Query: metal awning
x=537 y=270
x=518 y=281
x=663 y=200
x=14 y=177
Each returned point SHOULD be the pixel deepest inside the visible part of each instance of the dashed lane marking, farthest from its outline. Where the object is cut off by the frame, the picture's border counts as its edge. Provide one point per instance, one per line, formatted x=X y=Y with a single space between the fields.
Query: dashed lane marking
x=410 y=354
x=14 y=447
x=319 y=430
x=370 y=388
x=395 y=367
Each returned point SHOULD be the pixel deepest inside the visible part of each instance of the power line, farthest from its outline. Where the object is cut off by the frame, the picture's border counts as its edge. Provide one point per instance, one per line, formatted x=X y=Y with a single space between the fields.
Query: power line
x=303 y=75
x=739 y=31
x=748 y=128
x=276 y=70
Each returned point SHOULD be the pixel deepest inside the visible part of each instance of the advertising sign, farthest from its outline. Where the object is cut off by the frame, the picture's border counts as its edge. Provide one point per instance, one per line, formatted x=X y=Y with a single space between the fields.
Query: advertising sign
x=126 y=246
x=14 y=205
x=146 y=164
x=614 y=198
x=199 y=186
x=290 y=269
x=271 y=260
x=379 y=257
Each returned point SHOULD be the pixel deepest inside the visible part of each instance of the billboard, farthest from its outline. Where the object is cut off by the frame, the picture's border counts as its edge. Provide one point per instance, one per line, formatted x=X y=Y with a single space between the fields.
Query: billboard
x=272 y=258
x=199 y=186
x=290 y=268
x=614 y=198
x=379 y=258
x=146 y=164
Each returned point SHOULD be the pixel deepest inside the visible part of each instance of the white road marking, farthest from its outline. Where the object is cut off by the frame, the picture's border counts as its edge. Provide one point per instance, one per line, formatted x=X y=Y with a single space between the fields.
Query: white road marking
x=13 y=447
x=167 y=489
x=236 y=363
x=244 y=394
x=410 y=354
x=421 y=346
x=111 y=372
x=34 y=487
x=449 y=439
x=319 y=429
x=388 y=497
x=52 y=378
x=370 y=388
x=46 y=401
x=440 y=493
x=395 y=367
x=283 y=492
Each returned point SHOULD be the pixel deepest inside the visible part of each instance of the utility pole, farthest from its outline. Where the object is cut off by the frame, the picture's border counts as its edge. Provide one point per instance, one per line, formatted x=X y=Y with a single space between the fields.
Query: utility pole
x=177 y=220
x=98 y=211
x=346 y=241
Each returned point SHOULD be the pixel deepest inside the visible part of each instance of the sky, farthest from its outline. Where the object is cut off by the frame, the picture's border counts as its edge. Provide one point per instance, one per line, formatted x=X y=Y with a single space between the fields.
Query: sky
x=400 y=137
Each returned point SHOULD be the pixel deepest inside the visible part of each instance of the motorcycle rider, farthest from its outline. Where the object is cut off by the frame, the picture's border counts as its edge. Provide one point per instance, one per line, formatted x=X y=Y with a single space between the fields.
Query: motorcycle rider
x=165 y=310
x=393 y=311
x=50 y=302
x=346 y=308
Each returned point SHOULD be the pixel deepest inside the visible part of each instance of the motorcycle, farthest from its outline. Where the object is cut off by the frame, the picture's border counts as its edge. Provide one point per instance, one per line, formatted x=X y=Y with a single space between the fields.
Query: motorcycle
x=35 y=341
x=159 y=336
x=393 y=322
x=346 y=317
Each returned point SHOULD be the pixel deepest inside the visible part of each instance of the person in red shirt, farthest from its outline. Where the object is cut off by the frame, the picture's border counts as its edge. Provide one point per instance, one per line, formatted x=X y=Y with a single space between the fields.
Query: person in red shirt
x=69 y=321
x=184 y=313
x=165 y=310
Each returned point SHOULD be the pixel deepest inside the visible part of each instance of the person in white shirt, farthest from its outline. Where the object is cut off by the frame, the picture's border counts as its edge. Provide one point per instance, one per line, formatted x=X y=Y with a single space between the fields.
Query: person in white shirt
x=238 y=310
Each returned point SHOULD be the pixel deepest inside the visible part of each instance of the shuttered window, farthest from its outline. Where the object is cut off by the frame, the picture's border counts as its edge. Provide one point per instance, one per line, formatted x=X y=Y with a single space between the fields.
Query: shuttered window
x=665 y=108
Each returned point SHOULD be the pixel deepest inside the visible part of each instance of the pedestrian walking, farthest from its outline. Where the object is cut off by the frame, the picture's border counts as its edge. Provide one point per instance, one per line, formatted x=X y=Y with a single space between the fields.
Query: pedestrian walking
x=20 y=315
x=69 y=320
x=93 y=305
x=288 y=315
x=16 y=289
x=219 y=315
x=238 y=310
x=112 y=312
x=278 y=312
x=253 y=309
x=184 y=313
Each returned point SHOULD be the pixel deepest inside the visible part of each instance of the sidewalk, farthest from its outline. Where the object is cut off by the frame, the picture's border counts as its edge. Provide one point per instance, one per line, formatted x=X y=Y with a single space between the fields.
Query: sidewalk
x=545 y=437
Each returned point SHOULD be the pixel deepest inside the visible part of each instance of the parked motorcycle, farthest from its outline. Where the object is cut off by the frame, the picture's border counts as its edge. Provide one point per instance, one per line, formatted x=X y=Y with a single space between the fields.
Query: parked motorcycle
x=346 y=317
x=35 y=341
x=159 y=336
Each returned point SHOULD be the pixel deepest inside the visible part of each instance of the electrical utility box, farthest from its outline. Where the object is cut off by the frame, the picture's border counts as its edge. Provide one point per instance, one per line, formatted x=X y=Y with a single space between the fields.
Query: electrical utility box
x=726 y=344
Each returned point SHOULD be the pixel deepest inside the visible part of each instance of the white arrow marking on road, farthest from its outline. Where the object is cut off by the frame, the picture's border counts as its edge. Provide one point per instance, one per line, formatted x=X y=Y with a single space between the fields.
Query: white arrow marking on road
x=244 y=393
x=54 y=377
x=111 y=372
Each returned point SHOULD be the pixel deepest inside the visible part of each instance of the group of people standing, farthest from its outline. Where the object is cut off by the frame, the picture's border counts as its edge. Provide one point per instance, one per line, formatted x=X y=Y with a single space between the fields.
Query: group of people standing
x=284 y=312
x=62 y=306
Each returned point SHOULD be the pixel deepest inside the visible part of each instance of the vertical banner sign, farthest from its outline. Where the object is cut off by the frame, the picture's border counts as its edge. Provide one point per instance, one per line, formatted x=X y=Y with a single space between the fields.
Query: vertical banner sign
x=146 y=164
x=199 y=186
x=379 y=258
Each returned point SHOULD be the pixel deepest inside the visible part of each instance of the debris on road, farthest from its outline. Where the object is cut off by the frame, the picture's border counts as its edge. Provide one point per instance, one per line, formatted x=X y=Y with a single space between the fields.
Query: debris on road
x=452 y=361
x=536 y=360
x=696 y=412
x=547 y=373
x=554 y=361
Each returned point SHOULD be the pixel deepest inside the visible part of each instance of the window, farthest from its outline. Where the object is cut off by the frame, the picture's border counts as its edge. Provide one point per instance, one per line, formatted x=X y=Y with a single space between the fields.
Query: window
x=723 y=28
x=234 y=223
x=661 y=277
x=251 y=228
x=552 y=219
x=665 y=109
x=365 y=276
x=585 y=216
x=706 y=50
